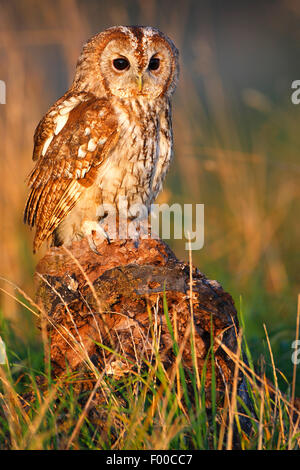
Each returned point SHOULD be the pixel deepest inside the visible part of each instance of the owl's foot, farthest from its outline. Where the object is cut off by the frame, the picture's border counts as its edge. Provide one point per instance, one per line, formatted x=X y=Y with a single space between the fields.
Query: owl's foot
x=137 y=232
x=92 y=231
x=136 y=241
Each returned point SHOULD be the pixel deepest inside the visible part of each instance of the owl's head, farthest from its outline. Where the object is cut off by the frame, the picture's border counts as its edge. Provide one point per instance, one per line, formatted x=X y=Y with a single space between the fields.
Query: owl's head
x=128 y=61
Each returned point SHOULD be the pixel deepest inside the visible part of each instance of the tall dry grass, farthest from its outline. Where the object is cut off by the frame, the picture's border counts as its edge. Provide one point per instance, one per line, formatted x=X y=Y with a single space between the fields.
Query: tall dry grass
x=150 y=408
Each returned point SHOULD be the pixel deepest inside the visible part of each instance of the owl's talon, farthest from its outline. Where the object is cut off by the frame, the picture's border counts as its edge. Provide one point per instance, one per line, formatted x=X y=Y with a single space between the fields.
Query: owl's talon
x=93 y=229
x=136 y=240
x=92 y=244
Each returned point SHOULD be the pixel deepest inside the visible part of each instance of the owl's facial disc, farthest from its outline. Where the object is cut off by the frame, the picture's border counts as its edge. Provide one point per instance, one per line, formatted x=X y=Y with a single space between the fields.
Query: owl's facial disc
x=130 y=71
x=122 y=64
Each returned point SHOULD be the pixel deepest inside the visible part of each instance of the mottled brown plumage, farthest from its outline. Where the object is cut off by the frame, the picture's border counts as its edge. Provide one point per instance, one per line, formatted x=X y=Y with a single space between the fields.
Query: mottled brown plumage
x=110 y=135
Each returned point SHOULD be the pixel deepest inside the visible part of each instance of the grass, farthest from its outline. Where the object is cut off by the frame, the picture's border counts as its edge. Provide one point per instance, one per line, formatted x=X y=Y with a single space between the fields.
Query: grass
x=236 y=155
x=149 y=408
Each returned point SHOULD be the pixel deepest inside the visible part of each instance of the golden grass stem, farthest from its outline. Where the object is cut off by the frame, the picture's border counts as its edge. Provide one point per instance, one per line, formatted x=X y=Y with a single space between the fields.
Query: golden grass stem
x=84 y=412
x=292 y=429
x=277 y=391
x=192 y=316
x=233 y=401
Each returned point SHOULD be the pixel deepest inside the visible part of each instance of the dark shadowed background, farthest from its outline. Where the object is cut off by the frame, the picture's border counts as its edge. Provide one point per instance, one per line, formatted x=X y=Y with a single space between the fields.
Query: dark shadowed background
x=237 y=142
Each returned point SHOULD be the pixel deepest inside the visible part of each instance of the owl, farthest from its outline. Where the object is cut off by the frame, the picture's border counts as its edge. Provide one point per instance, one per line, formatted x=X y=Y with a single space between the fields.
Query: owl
x=108 y=136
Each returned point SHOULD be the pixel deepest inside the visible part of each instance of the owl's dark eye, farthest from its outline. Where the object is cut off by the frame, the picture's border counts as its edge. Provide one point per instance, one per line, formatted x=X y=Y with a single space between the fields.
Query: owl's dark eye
x=154 y=63
x=121 y=64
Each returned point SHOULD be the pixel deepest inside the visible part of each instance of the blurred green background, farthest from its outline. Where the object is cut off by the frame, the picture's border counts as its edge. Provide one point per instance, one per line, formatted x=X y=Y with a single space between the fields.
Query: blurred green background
x=236 y=132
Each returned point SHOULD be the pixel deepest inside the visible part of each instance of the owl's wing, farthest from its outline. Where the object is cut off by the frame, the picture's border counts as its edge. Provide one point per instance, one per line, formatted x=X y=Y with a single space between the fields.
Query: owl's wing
x=70 y=143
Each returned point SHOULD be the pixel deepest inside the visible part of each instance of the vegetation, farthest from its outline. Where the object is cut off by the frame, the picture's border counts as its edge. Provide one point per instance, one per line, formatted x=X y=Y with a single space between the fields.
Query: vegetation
x=236 y=150
x=147 y=409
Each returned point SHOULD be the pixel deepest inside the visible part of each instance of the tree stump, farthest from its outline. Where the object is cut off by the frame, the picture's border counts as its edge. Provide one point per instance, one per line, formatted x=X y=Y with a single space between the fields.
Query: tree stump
x=102 y=310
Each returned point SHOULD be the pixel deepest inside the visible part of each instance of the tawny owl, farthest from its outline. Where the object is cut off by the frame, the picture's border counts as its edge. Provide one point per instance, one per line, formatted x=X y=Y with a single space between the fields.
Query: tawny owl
x=109 y=135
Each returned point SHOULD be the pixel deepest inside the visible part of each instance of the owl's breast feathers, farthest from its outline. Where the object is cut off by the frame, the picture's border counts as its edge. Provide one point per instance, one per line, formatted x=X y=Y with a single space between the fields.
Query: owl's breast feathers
x=82 y=137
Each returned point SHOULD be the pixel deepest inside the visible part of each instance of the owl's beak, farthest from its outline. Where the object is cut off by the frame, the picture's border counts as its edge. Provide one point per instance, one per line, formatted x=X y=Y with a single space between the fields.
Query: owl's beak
x=139 y=80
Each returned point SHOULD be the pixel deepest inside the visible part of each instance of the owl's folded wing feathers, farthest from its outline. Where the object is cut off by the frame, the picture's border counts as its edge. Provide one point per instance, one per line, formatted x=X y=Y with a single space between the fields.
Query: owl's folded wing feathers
x=70 y=143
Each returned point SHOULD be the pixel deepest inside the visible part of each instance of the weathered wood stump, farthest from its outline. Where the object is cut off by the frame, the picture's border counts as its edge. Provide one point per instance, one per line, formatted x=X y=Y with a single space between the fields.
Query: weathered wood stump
x=116 y=299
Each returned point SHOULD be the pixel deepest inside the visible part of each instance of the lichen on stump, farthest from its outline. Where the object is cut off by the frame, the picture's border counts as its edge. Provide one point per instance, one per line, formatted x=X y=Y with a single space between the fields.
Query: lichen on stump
x=109 y=309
